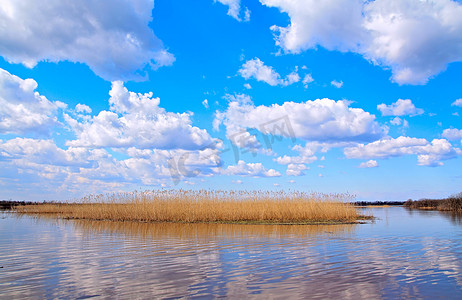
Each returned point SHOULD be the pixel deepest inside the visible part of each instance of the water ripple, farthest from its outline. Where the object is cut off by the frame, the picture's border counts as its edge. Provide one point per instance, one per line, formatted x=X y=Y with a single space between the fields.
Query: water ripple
x=393 y=258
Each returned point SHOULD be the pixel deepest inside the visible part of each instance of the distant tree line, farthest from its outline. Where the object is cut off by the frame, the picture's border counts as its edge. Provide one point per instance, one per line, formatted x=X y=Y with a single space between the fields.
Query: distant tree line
x=378 y=203
x=452 y=203
x=9 y=204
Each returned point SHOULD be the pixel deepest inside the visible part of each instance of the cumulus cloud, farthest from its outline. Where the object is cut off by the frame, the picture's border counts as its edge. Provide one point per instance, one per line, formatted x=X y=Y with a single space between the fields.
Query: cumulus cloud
x=43 y=152
x=83 y=108
x=400 y=108
x=369 y=164
x=45 y=168
x=67 y=169
x=112 y=38
x=22 y=109
x=452 y=134
x=306 y=155
x=307 y=79
x=458 y=103
x=337 y=84
x=175 y=164
x=257 y=69
x=415 y=39
x=250 y=169
x=321 y=120
x=205 y=103
x=396 y=121
x=137 y=119
x=428 y=154
x=296 y=169
x=331 y=24
x=235 y=10
x=296 y=164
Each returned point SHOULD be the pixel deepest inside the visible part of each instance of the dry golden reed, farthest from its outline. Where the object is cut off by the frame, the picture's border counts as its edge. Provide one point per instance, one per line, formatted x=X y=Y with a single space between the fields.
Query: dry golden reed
x=191 y=206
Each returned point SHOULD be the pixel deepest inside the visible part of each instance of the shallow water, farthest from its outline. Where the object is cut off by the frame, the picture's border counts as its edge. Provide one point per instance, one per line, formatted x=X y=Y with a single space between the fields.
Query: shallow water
x=403 y=254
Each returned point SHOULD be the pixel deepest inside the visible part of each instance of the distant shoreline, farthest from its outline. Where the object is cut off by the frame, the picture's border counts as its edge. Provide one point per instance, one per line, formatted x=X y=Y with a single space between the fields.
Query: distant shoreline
x=452 y=203
x=10 y=204
x=377 y=203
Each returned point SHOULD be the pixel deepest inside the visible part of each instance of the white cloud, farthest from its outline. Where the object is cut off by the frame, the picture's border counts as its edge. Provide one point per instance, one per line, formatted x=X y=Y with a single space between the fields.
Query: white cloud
x=331 y=24
x=400 y=108
x=452 y=134
x=369 y=164
x=257 y=69
x=250 y=169
x=137 y=119
x=405 y=123
x=43 y=152
x=337 y=84
x=205 y=103
x=322 y=120
x=247 y=86
x=405 y=35
x=49 y=168
x=134 y=120
x=112 y=37
x=306 y=155
x=291 y=79
x=396 y=121
x=235 y=9
x=402 y=35
x=22 y=109
x=458 y=103
x=176 y=164
x=296 y=169
x=82 y=108
x=307 y=79
x=428 y=154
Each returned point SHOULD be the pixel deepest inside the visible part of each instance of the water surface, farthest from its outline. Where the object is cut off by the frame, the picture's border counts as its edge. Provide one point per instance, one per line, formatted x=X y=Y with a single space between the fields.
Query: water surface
x=403 y=254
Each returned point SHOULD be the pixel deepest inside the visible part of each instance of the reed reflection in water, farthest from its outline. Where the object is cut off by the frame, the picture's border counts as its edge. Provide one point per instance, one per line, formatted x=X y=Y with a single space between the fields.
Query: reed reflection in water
x=206 y=231
x=60 y=259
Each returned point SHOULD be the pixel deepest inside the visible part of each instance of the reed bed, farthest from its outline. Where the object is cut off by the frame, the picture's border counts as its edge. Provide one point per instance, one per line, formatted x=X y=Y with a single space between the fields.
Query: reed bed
x=207 y=206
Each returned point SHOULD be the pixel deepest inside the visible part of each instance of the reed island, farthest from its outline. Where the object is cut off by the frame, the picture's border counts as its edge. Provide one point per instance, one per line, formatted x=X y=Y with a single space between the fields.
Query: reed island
x=207 y=206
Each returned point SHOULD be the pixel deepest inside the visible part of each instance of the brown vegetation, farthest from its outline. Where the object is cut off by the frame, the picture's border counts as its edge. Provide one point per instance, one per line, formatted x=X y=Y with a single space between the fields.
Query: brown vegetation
x=453 y=203
x=207 y=206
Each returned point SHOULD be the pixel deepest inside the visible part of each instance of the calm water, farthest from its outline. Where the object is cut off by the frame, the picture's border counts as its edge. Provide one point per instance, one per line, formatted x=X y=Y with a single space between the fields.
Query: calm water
x=402 y=255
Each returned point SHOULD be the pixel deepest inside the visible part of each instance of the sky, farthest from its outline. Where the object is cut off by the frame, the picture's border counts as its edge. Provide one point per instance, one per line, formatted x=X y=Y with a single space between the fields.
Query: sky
x=346 y=96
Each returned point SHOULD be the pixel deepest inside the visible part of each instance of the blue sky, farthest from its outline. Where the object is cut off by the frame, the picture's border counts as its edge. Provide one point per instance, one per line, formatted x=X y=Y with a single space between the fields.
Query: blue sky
x=327 y=96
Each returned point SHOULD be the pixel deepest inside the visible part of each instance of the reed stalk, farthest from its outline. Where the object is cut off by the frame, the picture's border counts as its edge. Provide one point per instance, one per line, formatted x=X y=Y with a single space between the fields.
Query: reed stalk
x=206 y=206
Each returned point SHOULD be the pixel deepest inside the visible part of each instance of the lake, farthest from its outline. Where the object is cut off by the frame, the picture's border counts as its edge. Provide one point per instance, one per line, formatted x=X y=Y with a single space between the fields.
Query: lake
x=402 y=254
